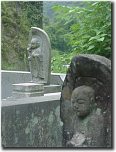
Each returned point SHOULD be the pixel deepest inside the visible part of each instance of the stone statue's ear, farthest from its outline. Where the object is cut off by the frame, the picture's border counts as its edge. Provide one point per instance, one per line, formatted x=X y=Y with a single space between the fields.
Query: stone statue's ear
x=71 y=102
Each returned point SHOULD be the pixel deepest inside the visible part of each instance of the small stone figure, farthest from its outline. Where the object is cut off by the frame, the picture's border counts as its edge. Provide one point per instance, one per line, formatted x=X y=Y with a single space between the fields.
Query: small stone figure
x=39 y=50
x=88 y=121
x=36 y=59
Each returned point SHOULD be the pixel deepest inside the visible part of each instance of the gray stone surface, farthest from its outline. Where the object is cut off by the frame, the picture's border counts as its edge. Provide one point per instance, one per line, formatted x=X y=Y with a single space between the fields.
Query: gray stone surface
x=28 y=87
x=33 y=89
x=13 y=77
x=87 y=120
x=52 y=88
x=17 y=94
x=57 y=78
x=39 y=49
x=93 y=71
x=27 y=90
x=31 y=122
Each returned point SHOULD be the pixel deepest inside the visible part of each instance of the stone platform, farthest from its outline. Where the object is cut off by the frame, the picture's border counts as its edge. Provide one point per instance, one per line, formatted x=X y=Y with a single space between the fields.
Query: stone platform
x=33 y=89
x=52 y=88
x=27 y=90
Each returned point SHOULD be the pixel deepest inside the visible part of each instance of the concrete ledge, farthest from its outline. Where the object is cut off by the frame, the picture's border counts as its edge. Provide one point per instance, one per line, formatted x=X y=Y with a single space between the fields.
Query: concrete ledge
x=14 y=77
x=27 y=87
x=52 y=88
x=32 y=122
x=27 y=94
x=46 y=98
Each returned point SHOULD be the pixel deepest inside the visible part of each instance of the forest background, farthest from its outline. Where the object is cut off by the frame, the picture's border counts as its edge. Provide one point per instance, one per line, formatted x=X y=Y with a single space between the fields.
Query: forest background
x=74 y=27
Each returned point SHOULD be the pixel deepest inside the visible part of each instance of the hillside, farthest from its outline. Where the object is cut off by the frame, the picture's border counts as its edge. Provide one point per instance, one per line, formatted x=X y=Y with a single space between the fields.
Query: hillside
x=16 y=20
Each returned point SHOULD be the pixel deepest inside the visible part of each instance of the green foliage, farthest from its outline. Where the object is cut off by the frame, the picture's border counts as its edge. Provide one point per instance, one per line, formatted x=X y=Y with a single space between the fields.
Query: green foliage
x=33 y=12
x=81 y=27
x=17 y=18
x=57 y=31
x=60 y=61
x=87 y=29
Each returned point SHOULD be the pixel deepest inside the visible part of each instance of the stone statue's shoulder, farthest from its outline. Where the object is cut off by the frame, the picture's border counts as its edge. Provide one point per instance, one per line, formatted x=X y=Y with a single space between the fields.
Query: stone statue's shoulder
x=96 y=120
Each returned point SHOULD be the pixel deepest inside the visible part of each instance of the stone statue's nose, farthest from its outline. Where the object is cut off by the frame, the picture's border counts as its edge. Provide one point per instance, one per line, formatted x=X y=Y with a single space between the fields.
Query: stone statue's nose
x=76 y=105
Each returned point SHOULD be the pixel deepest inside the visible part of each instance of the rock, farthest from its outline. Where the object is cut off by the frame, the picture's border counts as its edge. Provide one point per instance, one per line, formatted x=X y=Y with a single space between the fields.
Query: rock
x=93 y=71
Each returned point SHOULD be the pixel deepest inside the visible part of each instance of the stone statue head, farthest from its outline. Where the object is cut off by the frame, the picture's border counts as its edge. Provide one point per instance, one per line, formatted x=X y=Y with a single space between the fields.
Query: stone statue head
x=82 y=100
x=35 y=43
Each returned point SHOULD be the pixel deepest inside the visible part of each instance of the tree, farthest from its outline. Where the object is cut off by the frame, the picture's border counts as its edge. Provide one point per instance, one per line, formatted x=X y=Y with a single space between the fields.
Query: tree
x=84 y=29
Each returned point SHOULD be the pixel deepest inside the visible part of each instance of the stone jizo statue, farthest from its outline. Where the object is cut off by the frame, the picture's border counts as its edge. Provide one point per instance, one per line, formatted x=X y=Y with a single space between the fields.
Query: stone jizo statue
x=36 y=58
x=39 y=50
x=88 y=121
x=86 y=103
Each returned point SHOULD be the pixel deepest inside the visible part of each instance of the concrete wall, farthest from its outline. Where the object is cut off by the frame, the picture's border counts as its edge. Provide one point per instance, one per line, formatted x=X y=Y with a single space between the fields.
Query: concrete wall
x=12 y=77
x=31 y=122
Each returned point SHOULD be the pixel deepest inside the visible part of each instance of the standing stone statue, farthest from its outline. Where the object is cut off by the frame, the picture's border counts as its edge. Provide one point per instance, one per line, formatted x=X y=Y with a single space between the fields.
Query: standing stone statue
x=89 y=126
x=39 y=55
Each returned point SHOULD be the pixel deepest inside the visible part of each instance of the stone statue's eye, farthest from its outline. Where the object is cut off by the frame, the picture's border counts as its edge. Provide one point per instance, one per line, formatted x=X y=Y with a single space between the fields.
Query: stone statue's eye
x=73 y=101
x=80 y=101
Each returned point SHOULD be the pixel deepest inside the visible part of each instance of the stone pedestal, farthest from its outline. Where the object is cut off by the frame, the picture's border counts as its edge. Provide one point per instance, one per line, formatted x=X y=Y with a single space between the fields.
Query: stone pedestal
x=27 y=90
x=33 y=89
x=52 y=88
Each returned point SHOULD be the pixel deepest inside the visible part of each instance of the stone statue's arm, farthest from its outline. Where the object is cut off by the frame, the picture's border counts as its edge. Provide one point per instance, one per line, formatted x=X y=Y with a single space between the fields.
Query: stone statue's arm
x=29 y=58
x=37 y=54
x=40 y=56
x=29 y=48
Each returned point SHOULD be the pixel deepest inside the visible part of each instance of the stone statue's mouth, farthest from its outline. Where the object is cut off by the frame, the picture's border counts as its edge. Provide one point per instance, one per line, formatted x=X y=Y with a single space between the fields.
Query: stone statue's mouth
x=76 y=110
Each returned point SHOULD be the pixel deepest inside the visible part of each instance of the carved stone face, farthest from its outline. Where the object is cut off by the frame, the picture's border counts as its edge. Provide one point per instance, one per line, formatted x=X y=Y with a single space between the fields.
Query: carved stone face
x=35 y=43
x=82 y=100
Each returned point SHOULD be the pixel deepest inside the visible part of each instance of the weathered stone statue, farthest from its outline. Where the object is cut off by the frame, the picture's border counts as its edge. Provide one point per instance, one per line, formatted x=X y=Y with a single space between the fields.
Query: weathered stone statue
x=87 y=120
x=39 y=55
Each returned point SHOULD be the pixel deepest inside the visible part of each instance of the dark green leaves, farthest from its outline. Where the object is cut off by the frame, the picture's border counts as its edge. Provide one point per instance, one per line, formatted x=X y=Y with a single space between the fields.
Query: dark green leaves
x=86 y=29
